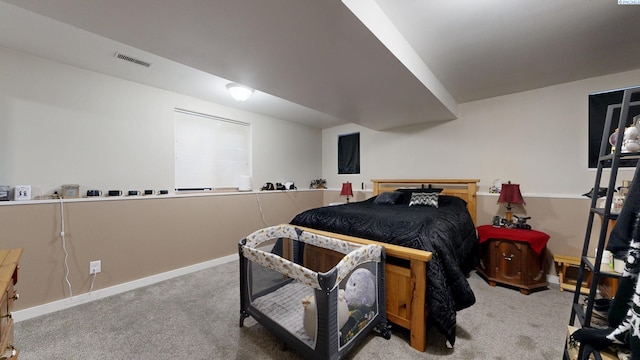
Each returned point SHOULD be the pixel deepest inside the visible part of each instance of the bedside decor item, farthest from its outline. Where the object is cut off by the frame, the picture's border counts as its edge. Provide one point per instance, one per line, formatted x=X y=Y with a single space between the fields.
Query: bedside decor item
x=510 y=194
x=496 y=187
x=244 y=183
x=91 y=193
x=318 y=184
x=5 y=190
x=521 y=222
x=267 y=187
x=347 y=190
x=602 y=191
x=70 y=191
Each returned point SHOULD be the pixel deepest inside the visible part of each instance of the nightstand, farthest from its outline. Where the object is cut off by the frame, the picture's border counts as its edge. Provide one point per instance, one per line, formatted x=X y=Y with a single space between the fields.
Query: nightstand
x=513 y=257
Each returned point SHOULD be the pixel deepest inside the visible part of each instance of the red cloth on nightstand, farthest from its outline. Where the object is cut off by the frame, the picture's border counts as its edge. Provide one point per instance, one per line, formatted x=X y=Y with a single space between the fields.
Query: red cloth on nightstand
x=536 y=239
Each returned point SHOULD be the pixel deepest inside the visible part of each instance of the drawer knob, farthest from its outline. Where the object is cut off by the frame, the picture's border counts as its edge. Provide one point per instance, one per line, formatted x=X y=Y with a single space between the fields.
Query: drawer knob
x=508 y=258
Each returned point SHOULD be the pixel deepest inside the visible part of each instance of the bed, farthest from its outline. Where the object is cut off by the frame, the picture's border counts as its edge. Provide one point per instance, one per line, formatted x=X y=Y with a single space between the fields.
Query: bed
x=430 y=251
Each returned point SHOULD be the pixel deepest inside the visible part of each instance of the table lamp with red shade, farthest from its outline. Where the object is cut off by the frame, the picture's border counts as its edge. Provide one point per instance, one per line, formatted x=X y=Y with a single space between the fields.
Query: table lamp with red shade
x=347 y=190
x=510 y=194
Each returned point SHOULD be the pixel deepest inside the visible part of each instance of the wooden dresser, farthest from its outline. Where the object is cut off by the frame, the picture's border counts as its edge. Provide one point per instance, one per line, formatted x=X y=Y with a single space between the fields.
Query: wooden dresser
x=8 y=278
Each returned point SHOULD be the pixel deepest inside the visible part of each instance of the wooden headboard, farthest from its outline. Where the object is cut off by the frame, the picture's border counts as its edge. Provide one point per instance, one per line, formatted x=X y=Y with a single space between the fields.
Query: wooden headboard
x=463 y=188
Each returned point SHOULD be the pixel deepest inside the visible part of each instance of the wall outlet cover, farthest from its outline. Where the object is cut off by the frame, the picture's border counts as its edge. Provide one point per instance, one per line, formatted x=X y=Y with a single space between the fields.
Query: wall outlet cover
x=22 y=192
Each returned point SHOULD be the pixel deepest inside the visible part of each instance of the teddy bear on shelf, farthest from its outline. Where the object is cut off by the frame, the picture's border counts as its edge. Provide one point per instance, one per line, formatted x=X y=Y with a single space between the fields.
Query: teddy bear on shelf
x=630 y=141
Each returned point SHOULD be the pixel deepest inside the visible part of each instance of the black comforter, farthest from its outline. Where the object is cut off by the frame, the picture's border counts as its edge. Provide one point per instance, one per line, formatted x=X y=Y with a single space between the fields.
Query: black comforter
x=447 y=231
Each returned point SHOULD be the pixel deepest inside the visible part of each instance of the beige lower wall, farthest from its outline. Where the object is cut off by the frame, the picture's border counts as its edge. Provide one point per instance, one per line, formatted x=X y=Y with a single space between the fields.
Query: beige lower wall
x=134 y=238
x=137 y=238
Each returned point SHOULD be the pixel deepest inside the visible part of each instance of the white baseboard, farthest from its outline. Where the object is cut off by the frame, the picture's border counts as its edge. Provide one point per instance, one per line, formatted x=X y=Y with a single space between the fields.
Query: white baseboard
x=116 y=289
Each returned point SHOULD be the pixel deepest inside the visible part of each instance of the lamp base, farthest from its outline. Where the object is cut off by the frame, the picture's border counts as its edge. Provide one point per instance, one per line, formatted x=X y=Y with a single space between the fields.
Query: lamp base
x=508 y=216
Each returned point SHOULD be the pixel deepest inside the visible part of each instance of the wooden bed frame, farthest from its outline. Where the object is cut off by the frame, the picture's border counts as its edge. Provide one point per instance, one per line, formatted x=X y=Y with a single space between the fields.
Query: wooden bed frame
x=406 y=284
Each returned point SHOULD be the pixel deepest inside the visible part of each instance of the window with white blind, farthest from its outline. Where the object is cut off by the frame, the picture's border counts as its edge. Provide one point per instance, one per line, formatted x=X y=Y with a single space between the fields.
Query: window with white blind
x=210 y=152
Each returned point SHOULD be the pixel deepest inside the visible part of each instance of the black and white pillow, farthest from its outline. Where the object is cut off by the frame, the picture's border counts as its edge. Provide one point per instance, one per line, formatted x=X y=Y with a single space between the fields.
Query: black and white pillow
x=424 y=199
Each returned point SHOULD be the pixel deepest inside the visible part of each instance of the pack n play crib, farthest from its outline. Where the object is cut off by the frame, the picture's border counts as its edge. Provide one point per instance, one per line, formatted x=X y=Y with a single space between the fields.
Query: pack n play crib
x=322 y=306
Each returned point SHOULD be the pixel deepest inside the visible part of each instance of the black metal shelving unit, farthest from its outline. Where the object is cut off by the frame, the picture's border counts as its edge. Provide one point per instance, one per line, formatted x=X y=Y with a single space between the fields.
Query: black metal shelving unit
x=612 y=159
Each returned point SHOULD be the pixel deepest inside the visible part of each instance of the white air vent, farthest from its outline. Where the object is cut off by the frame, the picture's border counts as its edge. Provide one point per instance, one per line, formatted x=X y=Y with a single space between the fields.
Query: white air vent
x=131 y=59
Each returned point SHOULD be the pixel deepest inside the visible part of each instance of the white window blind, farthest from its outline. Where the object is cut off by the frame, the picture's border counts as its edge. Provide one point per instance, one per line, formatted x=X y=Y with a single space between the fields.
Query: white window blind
x=210 y=152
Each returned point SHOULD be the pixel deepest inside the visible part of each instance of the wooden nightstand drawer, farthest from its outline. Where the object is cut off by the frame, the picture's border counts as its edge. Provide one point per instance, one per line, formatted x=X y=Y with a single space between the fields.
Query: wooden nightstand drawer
x=510 y=261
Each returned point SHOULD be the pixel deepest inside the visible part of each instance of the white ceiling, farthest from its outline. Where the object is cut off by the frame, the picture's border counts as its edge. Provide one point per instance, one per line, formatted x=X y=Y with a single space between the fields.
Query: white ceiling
x=378 y=63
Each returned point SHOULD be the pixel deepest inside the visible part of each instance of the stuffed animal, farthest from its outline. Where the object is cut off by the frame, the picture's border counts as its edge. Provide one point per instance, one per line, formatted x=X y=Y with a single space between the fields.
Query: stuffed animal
x=310 y=318
x=630 y=141
x=360 y=290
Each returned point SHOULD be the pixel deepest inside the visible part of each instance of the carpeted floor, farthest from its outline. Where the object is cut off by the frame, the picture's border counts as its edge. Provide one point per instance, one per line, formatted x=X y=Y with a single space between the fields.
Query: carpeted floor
x=196 y=317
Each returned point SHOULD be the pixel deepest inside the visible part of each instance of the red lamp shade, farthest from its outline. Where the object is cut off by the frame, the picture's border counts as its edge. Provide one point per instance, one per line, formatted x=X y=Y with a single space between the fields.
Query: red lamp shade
x=510 y=194
x=347 y=190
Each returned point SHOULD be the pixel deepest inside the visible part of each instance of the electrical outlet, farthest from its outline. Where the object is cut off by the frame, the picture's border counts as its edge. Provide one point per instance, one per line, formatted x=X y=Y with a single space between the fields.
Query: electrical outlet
x=22 y=192
x=95 y=267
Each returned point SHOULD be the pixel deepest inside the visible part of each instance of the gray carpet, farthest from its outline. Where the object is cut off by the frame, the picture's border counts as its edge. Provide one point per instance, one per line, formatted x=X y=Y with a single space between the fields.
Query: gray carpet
x=196 y=317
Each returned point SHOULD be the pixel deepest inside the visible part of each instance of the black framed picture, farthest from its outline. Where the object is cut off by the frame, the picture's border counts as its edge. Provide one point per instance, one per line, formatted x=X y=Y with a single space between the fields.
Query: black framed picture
x=349 y=153
x=598 y=104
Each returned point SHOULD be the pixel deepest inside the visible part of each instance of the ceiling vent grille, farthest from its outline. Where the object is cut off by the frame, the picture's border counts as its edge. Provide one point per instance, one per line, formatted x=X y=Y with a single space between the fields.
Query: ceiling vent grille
x=131 y=59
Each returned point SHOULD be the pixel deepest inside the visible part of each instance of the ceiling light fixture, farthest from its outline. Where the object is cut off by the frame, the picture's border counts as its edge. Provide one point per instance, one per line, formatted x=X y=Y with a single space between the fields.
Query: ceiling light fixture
x=239 y=92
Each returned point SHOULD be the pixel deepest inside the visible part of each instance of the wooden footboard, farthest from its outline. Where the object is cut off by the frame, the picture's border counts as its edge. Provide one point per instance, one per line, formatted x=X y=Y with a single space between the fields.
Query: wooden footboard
x=405 y=286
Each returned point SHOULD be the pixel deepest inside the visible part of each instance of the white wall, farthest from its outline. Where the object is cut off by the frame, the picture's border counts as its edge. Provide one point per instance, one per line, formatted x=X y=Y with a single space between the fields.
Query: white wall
x=536 y=138
x=65 y=125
